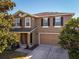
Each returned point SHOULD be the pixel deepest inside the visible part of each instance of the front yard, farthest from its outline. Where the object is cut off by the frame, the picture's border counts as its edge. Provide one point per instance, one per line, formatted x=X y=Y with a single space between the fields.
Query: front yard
x=12 y=55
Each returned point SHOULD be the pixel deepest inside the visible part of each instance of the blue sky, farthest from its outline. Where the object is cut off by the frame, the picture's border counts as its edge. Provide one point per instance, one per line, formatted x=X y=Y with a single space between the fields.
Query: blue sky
x=36 y=6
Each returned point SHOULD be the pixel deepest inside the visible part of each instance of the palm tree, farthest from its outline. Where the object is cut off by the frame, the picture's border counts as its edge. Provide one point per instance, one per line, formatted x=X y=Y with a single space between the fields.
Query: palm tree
x=6 y=5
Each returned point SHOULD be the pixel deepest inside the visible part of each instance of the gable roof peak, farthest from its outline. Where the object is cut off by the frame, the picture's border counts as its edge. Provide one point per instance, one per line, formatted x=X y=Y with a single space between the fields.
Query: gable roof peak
x=23 y=13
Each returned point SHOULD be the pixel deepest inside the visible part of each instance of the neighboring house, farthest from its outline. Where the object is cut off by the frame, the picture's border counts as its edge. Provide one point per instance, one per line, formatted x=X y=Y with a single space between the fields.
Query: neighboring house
x=40 y=28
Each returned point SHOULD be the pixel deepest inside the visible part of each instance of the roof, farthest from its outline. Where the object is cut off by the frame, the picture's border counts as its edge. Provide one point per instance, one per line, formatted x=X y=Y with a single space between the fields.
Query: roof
x=43 y=14
x=23 y=13
x=52 y=14
x=22 y=29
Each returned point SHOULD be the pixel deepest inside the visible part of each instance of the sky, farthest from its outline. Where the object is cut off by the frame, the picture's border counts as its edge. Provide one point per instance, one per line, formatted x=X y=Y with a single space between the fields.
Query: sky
x=36 y=6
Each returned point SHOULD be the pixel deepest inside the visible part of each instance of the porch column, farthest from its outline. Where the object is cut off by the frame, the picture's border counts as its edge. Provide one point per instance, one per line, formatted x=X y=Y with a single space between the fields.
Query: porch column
x=28 y=40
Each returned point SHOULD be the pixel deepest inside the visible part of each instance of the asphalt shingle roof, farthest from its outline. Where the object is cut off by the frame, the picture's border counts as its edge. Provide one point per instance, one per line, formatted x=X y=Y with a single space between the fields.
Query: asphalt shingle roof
x=22 y=29
x=52 y=14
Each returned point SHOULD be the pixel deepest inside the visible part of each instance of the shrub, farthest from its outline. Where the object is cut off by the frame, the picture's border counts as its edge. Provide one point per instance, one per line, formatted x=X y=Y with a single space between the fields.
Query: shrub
x=69 y=36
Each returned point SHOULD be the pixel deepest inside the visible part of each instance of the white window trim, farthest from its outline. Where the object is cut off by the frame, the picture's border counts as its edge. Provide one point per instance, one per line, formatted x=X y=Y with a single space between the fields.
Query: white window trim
x=43 y=25
x=57 y=26
x=29 y=22
x=16 y=27
x=16 y=24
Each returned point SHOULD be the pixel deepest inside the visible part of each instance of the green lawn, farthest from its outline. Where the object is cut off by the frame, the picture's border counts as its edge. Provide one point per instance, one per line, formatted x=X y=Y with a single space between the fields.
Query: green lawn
x=13 y=55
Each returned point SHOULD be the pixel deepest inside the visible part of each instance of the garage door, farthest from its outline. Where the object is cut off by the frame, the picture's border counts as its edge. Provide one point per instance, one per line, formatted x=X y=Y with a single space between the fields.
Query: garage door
x=49 y=39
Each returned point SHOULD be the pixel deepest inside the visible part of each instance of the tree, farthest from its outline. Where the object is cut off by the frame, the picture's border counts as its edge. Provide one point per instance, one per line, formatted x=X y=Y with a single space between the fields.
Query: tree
x=69 y=36
x=6 y=5
x=7 y=38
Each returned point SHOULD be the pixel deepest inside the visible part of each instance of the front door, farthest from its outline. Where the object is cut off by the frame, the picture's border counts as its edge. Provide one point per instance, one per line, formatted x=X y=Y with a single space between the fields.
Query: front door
x=23 y=40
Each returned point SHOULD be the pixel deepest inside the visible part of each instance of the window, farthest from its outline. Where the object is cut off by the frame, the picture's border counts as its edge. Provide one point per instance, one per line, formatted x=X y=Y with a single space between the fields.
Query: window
x=58 y=21
x=16 y=23
x=45 y=22
x=28 y=22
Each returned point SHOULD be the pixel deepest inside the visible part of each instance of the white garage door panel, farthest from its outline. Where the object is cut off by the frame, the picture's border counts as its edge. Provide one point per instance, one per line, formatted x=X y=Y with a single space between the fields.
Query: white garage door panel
x=49 y=38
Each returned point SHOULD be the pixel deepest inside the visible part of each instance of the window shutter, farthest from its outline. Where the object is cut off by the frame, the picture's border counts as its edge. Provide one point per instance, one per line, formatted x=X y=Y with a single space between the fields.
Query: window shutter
x=48 y=21
x=42 y=22
x=20 y=22
x=61 y=21
x=53 y=21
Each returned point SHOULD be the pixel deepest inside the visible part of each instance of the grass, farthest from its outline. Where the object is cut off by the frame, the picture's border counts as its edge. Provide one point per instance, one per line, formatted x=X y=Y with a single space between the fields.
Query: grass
x=12 y=55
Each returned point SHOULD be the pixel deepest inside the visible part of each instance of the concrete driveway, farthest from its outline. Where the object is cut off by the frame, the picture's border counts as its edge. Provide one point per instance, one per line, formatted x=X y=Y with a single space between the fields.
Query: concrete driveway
x=49 y=52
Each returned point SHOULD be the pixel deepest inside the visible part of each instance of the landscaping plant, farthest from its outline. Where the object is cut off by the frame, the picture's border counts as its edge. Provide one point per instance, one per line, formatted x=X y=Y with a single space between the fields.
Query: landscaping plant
x=7 y=38
x=69 y=37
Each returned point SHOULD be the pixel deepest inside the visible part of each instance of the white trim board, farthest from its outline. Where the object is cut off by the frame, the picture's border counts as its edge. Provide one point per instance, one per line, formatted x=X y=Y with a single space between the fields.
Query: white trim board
x=45 y=33
x=21 y=32
x=48 y=33
x=33 y=29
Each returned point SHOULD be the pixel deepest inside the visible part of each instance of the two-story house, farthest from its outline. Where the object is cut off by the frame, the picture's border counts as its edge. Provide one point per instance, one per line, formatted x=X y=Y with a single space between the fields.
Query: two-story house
x=40 y=28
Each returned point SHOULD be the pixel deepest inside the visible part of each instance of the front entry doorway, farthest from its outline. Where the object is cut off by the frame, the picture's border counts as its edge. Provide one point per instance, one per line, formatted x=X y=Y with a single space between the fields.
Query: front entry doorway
x=23 y=40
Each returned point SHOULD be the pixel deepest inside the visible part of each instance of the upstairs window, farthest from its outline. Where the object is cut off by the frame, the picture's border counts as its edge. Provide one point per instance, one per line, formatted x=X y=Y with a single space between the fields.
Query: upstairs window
x=45 y=22
x=28 y=22
x=58 y=21
x=16 y=22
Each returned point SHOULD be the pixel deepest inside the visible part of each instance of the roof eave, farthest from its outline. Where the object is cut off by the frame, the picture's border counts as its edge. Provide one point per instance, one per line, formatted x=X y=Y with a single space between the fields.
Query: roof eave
x=72 y=14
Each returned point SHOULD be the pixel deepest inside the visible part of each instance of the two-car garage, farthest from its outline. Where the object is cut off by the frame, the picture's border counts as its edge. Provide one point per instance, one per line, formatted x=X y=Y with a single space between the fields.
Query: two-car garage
x=48 y=38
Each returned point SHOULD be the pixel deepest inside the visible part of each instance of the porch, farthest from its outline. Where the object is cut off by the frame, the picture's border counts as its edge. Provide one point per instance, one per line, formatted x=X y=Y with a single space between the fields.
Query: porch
x=25 y=40
x=26 y=36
